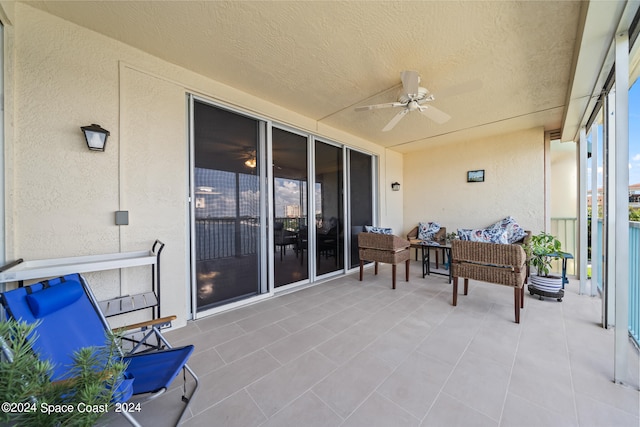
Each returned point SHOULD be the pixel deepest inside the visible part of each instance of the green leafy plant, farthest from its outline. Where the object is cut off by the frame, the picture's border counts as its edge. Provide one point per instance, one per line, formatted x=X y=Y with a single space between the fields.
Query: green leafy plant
x=25 y=381
x=543 y=249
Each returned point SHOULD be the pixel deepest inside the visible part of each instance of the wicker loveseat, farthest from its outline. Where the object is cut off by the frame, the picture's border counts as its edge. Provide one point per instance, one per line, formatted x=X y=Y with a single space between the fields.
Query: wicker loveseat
x=385 y=248
x=502 y=264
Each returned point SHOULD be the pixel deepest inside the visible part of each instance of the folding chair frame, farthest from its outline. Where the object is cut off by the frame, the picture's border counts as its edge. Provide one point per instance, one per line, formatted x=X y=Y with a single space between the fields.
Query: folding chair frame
x=151 y=328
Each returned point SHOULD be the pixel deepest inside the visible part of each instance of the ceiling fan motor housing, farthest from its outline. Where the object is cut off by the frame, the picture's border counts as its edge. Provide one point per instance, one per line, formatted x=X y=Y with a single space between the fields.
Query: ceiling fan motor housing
x=422 y=95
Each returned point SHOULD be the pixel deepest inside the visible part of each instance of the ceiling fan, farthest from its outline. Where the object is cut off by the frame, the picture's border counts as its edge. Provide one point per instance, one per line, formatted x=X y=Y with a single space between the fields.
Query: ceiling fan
x=413 y=97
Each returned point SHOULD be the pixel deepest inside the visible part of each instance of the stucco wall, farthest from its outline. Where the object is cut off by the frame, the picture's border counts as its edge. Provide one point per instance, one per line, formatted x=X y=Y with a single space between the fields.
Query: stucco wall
x=564 y=180
x=62 y=197
x=436 y=187
x=393 y=215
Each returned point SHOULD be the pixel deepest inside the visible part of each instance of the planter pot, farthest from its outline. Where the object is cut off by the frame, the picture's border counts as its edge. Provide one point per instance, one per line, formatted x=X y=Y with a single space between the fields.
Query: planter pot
x=546 y=283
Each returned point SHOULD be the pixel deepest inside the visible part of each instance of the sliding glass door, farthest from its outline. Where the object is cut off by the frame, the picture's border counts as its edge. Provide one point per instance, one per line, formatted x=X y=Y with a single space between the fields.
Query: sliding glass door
x=226 y=205
x=360 y=198
x=270 y=207
x=329 y=208
x=290 y=194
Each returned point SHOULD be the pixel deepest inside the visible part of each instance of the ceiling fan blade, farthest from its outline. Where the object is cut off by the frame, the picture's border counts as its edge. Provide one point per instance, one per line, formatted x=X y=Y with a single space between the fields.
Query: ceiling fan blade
x=377 y=106
x=434 y=114
x=394 y=121
x=454 y=90
x=410 y=82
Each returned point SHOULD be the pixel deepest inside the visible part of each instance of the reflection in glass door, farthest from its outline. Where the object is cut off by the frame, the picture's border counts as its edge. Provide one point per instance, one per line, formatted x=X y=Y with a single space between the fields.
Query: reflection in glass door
x=290 y=232
x=329 y=208
x=360 y=198
x=226 y=205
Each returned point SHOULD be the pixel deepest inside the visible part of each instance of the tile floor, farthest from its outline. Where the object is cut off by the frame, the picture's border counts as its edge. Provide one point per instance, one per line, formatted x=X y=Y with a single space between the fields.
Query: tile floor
x=350 y=353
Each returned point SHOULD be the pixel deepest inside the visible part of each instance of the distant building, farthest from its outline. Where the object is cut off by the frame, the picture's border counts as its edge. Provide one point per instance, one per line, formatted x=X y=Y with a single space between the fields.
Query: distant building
x=634 y=196
x=292 y=211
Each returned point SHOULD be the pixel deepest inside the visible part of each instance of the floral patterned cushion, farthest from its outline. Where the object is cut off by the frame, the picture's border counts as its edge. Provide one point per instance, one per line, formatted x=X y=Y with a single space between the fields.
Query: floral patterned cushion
x=464 y=233
x=509 y=224
x=484 y=235
x=427 y=230
x=377 y=230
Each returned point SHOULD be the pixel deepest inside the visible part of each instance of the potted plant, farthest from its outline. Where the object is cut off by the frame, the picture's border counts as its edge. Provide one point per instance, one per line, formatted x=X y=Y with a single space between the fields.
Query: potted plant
x=31 y=398
x=542 y=250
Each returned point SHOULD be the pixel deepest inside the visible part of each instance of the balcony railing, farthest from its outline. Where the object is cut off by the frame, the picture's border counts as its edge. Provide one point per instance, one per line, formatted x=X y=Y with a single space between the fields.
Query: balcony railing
x=227 y=237
x=634 y=276
x=634 y=280
x=566 y=230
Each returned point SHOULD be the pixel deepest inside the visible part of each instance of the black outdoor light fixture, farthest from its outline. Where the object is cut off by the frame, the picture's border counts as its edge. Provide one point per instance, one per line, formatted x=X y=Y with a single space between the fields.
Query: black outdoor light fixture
x=395 y=186
x=95 y=136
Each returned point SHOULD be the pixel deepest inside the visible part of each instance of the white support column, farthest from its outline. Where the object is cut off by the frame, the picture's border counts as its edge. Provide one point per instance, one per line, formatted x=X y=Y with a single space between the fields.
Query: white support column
x=621 y=200
x=582 y=254
x=609 y=299
x=595 y=238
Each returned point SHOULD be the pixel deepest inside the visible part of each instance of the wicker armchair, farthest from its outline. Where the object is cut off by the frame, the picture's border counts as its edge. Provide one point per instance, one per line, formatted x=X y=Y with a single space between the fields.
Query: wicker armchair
x=383 y=248
x=490 y=262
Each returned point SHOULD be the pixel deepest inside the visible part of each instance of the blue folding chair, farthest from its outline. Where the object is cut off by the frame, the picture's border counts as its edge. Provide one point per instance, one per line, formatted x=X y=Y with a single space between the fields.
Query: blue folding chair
x=68 y=319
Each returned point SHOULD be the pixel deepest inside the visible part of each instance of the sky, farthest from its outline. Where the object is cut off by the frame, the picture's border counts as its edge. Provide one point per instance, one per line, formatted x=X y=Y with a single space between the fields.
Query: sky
x=634 y=139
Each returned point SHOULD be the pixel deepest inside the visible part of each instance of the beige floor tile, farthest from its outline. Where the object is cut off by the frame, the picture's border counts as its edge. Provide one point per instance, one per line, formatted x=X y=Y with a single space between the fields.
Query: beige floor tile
x=348 y=386
x=350 y=353
x=595 y=413
x=377 y=411
x=449 y=412
x=227 y=380
x=283 y=385
x=237 y=410
x=250 y=342
x=294 y=345
x=400 y=341
x=416 y=383
x=265 y=318
x=308 y=411
x=522 y=412
x=480 y=383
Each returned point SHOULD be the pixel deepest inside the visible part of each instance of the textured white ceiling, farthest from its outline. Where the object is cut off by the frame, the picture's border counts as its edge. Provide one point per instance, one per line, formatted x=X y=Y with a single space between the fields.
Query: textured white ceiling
x=323 y=58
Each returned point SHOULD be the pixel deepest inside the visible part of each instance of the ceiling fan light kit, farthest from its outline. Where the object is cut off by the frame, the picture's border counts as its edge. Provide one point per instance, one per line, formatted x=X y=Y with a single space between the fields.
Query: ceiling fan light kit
x=413 y=97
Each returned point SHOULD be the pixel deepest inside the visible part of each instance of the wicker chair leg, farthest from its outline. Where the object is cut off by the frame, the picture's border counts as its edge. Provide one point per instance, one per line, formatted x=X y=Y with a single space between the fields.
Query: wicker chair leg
x=516 y=300
x=361 y=268
x=393 y=276
x=522 y=297
x=375 y=268
x=455 y=291
x=406 y=270
x=466 y=285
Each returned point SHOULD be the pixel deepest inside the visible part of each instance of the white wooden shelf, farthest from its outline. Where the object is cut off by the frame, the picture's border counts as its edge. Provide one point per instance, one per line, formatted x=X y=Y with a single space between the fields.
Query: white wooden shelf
x=40 y=269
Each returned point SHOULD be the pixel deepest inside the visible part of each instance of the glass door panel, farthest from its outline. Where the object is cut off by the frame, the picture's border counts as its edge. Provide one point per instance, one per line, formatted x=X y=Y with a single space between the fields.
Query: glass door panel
x=329 y=208
x=361 y=198
x=290 y=233
x=226 y=205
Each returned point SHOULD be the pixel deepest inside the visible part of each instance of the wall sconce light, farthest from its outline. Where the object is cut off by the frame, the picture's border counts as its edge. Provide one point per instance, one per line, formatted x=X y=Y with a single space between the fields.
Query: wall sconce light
x=95 y=136
x=395 y=186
